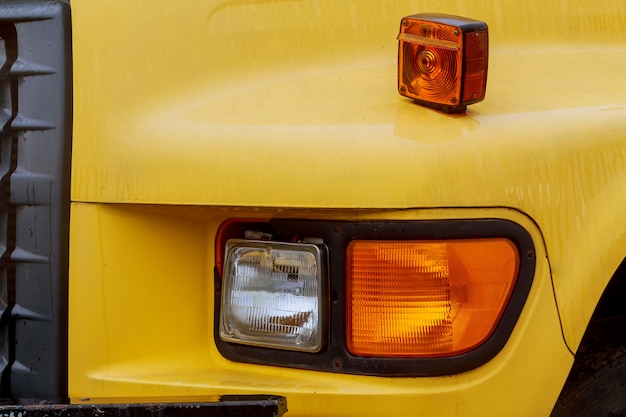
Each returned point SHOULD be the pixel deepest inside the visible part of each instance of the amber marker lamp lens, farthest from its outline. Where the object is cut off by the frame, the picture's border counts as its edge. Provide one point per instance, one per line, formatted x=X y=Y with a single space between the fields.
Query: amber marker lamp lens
x=426 y=298
x=442 y=60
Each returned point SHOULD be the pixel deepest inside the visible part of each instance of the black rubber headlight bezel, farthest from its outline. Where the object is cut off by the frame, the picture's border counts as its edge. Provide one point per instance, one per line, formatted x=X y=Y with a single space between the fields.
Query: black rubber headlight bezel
x=337 y=235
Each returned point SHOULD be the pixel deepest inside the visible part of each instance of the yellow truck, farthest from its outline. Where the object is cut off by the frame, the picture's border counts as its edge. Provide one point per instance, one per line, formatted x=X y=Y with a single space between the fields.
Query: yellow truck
x=225 y=207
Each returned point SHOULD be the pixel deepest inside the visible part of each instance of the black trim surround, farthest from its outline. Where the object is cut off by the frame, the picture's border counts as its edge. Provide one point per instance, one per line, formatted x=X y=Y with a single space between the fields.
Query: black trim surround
x=337 y=235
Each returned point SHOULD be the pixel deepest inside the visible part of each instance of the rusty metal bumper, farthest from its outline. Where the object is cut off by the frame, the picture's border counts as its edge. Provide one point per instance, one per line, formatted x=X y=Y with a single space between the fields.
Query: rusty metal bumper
x=225 y=406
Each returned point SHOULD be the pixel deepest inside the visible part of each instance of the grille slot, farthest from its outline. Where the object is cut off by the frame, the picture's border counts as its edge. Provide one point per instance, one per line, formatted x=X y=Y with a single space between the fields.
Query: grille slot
x=35 y=136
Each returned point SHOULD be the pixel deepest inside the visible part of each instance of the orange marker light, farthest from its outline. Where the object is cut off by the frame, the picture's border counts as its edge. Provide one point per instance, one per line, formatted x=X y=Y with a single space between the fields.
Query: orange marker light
x=442 y=60
x=426 y=298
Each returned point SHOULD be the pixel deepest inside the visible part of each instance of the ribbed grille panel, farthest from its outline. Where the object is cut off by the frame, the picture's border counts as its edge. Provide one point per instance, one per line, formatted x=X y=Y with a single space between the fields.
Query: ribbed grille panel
x=35 y=121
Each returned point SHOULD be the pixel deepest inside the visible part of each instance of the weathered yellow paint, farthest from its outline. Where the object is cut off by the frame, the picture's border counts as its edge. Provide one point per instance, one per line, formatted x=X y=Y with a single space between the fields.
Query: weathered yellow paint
x=141 y=324
x=291 y=105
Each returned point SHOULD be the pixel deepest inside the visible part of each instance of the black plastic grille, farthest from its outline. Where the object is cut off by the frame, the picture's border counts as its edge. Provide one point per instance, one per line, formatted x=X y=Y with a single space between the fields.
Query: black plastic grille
x=35 y=121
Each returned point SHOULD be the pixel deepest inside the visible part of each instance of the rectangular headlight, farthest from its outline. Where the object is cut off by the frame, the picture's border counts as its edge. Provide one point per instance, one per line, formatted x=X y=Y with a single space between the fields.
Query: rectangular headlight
x=273 y=294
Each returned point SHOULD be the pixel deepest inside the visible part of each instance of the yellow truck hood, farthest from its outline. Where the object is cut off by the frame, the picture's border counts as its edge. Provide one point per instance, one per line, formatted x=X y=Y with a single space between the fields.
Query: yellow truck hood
x=295 y=104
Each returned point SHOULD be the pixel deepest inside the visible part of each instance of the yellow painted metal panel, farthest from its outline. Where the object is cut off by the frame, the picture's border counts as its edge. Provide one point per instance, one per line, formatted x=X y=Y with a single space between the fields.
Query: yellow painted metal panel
x=310 y=88
x=141 y=326
x=293 y=104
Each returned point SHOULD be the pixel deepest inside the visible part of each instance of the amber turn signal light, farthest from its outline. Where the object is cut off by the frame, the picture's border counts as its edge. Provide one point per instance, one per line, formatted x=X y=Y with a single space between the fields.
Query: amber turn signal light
x=426 y=298
x=442 y=60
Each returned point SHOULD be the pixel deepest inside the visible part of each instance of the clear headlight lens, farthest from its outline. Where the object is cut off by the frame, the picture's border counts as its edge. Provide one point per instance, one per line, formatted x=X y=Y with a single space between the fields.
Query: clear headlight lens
x=272 y=295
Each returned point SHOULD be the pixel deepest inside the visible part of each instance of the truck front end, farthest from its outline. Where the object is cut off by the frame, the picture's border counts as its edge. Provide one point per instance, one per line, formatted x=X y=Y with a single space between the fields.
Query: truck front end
x=254 y=212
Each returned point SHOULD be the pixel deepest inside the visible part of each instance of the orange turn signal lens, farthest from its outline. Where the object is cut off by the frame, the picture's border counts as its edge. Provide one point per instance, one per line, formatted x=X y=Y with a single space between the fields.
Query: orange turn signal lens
x=442 y=60
x=426 y=298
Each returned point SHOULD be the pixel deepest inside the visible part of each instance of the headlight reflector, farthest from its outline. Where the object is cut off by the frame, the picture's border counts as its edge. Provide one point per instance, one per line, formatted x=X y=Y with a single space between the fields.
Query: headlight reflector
x=272 y=295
